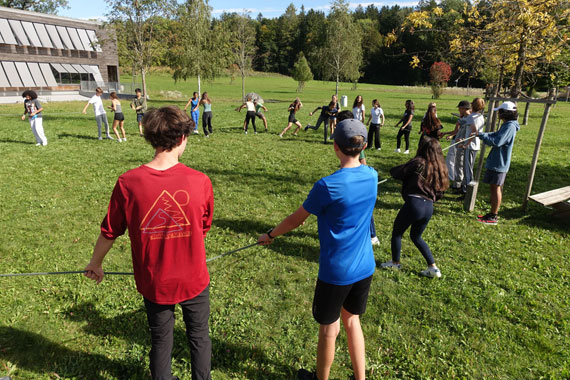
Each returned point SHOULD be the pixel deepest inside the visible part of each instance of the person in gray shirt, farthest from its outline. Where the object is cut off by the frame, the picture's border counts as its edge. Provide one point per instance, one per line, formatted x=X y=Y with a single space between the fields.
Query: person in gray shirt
x=34 y=109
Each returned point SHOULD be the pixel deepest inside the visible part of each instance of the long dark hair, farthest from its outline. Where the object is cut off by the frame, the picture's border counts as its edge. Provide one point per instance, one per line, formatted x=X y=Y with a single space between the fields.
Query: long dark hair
x=356 y=102
x=431 y=122
x=435 y=170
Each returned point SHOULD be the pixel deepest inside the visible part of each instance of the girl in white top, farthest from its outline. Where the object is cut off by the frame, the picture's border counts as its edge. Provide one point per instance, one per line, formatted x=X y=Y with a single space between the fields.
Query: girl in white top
x=250 y=115
x=358 y=109
x=375 y=120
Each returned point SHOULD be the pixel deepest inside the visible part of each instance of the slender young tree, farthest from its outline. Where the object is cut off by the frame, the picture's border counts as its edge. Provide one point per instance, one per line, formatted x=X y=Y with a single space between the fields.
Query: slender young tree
x=139 y=19
x=242 y=42
x=341 y=56
x=197 y=47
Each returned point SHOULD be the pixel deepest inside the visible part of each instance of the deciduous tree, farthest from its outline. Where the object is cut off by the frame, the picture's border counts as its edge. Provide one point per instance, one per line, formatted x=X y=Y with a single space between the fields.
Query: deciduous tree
x=43 y=6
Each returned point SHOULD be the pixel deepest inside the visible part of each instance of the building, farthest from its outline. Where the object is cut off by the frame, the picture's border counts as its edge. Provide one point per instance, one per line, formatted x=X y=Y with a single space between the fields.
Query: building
x=52 y=54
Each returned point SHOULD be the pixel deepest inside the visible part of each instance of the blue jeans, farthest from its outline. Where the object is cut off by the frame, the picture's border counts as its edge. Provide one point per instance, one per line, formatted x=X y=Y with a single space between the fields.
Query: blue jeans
x=415 y=212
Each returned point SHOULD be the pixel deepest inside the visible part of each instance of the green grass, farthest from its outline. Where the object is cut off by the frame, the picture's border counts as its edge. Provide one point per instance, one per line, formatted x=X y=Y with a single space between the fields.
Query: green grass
x=500 y=311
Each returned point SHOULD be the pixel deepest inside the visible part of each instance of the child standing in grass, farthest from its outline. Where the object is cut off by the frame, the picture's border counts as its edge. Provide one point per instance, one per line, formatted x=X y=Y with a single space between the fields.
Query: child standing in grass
x=33 y=108
x=250 y=114
x=119 y=118
x=207 y=114
x=343 y=203
x=167 y=208
x=258 y=107
x=194 y=103
x=406 y=128
x=499 y=159
x=100 y=114
x=139 y=106
x=375 y=121
x=424 y=181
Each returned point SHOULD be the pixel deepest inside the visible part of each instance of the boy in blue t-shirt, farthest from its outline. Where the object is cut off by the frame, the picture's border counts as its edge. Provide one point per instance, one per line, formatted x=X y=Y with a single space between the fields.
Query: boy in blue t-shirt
x=343 y=203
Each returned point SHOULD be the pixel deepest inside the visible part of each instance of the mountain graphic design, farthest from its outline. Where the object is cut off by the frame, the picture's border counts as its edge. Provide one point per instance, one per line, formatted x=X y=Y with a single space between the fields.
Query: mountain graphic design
x=165 y=215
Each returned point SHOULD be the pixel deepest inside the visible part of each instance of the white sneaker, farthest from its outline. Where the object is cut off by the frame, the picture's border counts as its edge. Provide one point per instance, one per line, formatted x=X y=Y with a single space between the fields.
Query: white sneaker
x=406 y=152
x=195 y=132
x=375 y=240
x=120 y=140
x=110 y=138
x=390 y=264
x=431 y=272
x=246 y=132
x=100 y=138
x=379 y=149
x=38 y=144
x=124 y=139
x=397 y=150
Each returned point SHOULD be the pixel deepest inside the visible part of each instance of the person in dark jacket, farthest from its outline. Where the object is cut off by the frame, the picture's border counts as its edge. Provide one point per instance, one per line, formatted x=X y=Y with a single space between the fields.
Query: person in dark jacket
x=499 y=159
x=424 y=180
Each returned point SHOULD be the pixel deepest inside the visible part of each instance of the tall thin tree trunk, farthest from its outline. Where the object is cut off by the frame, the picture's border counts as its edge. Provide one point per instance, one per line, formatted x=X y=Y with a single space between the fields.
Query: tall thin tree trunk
x=143 y=79
x=526 y=112
x=199 y=88
x=243 y=86
x=516 y=89
x=336 y=89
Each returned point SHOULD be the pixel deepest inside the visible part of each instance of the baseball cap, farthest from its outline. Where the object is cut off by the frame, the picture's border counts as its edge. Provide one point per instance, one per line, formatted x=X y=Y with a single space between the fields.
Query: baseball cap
x=347 y=129
x=507 y=106
x=464 y=104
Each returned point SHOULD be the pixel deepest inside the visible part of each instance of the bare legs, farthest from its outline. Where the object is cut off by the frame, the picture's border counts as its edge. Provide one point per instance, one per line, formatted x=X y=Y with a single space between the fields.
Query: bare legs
x=326 y=345
x=496 y=198
x=117 y=123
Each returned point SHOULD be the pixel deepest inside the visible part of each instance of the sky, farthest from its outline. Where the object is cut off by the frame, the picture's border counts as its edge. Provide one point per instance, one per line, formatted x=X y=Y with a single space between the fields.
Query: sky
x=96 y=9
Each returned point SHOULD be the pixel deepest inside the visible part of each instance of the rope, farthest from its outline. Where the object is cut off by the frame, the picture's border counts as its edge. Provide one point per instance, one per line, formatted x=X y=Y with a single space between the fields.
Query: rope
x=112 y=273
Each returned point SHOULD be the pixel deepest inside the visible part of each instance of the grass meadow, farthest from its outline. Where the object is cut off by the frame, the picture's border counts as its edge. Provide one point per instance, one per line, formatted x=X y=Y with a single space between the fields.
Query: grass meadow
x=500 y=311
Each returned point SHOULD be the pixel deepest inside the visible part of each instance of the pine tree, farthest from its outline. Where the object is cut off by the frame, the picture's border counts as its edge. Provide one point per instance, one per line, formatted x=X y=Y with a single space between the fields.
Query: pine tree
x=301 y=72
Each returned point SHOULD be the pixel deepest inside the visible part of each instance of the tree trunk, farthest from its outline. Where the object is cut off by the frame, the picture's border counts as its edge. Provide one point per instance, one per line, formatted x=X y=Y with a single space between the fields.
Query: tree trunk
x=199 y=89
x=526 y=112
x=143 y=79
x=516 y=89
x=336 y=88
x=243 y=86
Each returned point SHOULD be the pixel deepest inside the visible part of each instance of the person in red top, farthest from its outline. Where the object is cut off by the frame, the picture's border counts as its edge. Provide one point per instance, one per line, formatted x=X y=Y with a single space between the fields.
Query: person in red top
x=167 y=208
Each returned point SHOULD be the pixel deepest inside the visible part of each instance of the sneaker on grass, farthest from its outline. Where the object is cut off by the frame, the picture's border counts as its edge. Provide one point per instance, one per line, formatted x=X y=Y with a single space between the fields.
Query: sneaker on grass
x=406 y=151
x=488 y=219
x=431 y=272
x=303 y=374
x=390 y=264
x=375 y=240
x=397 y=150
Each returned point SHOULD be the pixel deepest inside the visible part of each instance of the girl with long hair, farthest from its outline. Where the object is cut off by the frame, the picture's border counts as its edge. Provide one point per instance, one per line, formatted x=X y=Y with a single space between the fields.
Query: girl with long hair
x=406 y=128
x=293 y=108
x=332 y=118
x=207 y=115
x=424 y=181
x=119 y=118
x=431 y=125
x=250 y=114
x=377 y=118
x=358 y=109
x=194 y=103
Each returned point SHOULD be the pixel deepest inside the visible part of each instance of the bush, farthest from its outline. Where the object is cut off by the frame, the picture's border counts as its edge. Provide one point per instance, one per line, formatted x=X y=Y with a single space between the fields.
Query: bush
x=301 y=72
x=439 y=74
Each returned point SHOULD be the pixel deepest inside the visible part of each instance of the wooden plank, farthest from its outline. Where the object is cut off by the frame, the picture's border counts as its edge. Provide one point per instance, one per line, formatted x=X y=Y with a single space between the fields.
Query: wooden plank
x=553 y=196
x=523 y=100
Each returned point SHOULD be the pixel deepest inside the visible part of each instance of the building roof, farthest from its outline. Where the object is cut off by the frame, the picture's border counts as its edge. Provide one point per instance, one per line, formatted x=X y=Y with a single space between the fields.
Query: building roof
x=19 y=13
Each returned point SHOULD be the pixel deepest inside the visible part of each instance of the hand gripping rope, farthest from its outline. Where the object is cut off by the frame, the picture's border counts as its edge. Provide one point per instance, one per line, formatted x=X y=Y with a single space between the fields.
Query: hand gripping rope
x=114 y=273
x=446 y=148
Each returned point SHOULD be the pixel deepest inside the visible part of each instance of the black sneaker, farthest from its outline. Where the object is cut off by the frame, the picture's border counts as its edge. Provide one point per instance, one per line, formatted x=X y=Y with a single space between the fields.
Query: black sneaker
x=488 y=218
x=303 y=374
x=307 y=127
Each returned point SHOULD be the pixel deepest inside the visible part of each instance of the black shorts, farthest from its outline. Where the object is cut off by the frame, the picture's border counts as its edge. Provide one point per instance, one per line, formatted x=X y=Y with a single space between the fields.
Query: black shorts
x=119 y=116
x=330 y=298
x=292 y=118
x=140 y=117
x=494 y=178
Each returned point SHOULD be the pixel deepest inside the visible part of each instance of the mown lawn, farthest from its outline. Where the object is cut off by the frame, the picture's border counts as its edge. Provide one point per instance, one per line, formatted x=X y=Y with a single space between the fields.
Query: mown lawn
x=500 y=311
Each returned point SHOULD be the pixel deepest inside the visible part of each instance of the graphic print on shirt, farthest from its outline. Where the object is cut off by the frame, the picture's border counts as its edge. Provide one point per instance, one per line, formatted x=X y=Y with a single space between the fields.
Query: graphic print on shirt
x=31 y=107
x=166 y=216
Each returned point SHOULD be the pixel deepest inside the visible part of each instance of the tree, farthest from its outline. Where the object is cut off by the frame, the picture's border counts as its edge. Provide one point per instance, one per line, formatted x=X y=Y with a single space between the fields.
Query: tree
x=42 y=6
x=191 y=52
x=340 y=58
x=439 y=74
x=301 y=72
x=242 y=42
x=139 y=19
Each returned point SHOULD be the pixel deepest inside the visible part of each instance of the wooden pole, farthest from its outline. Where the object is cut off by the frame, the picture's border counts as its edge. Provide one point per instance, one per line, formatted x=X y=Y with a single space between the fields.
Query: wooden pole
x=535 y=156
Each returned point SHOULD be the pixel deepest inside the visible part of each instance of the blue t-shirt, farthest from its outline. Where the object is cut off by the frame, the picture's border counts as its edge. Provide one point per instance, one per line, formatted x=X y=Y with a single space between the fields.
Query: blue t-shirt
x=343 y=203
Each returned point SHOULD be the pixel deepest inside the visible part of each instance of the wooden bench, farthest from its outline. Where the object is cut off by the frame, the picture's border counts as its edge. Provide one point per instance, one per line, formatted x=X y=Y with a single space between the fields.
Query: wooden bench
x=557 y=199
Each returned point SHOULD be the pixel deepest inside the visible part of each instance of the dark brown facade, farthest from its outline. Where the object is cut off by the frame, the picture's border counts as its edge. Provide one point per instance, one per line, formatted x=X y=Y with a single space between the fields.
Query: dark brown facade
x=54 y=53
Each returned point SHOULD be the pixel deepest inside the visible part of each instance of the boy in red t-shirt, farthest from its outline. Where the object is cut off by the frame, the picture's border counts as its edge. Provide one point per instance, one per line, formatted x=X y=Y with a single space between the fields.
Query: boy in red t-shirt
x=167 y=208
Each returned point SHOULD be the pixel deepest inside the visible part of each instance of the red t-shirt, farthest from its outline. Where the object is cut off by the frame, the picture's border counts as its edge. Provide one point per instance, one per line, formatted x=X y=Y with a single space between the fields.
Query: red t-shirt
x=168 y=213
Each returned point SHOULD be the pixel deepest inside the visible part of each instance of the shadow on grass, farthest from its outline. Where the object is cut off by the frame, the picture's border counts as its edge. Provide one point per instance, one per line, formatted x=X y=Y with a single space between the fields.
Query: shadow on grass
x=282 y=246
x=16 y=142
x=132 y=326
x=37 y=354
x=262 y=178
x=75 y=136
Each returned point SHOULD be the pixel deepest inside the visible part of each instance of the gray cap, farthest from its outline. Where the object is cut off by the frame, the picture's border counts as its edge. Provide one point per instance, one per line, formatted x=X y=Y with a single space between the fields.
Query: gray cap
x=347 y=129
x=464 y=104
